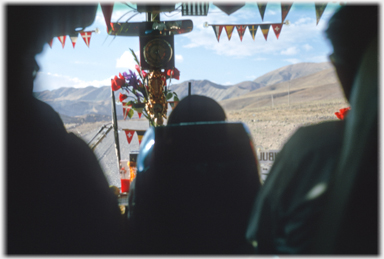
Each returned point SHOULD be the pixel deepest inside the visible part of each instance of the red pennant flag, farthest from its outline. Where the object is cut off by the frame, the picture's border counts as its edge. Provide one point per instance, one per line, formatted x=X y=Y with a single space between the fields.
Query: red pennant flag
x=139 y=111
x=253 y=29
x=140 y=134
x=217 y=29
x=229 y=30
x=319 y=11
x=50 y=43
x=241 y=30
x=62 y=40
x=107 y=13
x=277 y=29
x=86 y=37
x=265 y=29
x=262 y=9
x=126 y=109
x=284 y=10
x=73 y=39
x=129 y=134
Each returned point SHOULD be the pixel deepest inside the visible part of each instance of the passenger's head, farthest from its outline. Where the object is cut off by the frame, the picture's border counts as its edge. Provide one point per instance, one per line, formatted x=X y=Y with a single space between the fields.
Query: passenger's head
x=29 y=27
x=350 y=30
x=196 y=108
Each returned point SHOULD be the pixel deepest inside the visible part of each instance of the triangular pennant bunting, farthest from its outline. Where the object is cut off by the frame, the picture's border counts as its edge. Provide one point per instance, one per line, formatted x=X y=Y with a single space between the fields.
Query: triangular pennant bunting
x=62 y=40
x=284 y=10
x=107 y=13
x=262 y=10
x=217 y=29
x=50 y=43
x=253 y=29
x=139 y=111
x=229 y=8
x=139 y=108
x=319 y=11
x=277 y=29
x=129 y=134
x=73 y=39
x=126 y=109
x=241 y=30
x=229 y=30
x=140 y=134
x=86 y=37
x=265 y=29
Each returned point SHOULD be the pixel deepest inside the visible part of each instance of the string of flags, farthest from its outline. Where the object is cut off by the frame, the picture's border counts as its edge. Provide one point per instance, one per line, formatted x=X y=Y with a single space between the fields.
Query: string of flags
x=218 y=28
x=277 y=27
x=138 y=107
x=86 y=35
x=129 y=133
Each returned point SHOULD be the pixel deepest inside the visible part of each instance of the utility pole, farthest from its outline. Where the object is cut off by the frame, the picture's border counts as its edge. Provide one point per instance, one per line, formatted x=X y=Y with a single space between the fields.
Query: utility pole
x=272 y=100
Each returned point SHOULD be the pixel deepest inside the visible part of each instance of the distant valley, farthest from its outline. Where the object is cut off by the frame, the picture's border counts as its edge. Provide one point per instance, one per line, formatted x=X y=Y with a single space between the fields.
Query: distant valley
x=305 y=81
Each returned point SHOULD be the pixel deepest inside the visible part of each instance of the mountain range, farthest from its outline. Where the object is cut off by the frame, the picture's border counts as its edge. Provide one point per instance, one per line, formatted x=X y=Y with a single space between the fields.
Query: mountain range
x=93 y=103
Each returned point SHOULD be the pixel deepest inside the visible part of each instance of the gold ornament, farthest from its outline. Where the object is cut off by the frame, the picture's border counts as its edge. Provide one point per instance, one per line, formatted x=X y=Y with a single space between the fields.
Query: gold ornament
x=156 y=107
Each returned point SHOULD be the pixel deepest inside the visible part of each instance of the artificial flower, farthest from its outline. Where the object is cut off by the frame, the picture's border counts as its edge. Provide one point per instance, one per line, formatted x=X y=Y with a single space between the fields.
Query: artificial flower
x=342 y=113
x=173 y=73
x=131 y=79
x=117 y=83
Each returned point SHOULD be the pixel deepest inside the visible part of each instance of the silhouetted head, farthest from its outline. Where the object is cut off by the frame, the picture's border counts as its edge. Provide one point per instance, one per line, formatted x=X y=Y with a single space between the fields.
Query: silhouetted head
x=29 y=27
x=195 y=108
x=350 y=30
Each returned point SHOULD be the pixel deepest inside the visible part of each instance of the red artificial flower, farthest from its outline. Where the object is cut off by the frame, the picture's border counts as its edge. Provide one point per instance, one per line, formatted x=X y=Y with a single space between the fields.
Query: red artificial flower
x=342 y=113
x=138 y=69
x=174 y=73
x=117 y=83
x=121 y=77
x=143 y=73
x=122 y=97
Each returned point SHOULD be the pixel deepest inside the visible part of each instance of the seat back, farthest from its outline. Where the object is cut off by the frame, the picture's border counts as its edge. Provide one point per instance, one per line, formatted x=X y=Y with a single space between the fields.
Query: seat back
x=194 y=188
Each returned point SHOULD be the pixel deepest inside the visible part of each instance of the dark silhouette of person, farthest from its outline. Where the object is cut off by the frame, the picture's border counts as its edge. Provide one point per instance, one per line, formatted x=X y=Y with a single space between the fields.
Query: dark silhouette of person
x=58 y=200
x=194 y=108
x=196 y=182
x=290 y=206
x=349 y=222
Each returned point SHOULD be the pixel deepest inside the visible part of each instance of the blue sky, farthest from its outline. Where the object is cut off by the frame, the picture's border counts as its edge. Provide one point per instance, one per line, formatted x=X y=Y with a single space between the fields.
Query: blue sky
x=198 y=54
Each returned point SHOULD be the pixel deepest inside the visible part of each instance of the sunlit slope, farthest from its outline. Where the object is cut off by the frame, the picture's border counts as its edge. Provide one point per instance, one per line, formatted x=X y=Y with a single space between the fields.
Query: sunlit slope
x=322 y=85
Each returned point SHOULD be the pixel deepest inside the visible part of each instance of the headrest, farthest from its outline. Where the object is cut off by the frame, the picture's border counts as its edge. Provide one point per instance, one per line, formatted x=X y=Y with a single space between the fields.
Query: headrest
x=191 y=143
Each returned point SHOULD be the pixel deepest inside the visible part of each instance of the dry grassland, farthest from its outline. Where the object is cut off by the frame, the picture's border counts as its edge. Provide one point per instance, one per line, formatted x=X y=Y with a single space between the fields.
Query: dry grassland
x=271 y=127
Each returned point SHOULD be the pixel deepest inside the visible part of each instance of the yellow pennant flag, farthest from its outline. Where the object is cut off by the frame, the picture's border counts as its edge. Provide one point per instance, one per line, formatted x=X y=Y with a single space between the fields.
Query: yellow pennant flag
x=253 y=29
x=229 y=30
x=140 y=134
x=265 y=29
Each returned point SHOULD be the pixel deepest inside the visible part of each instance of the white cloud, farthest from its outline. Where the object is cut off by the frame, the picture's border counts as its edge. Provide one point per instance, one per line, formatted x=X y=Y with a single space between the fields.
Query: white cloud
x=307 y=47
x=318 y=59
x=126 y=60
x=293 y=60
x=290 y=51
x=51 y=81
x=179 y=58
